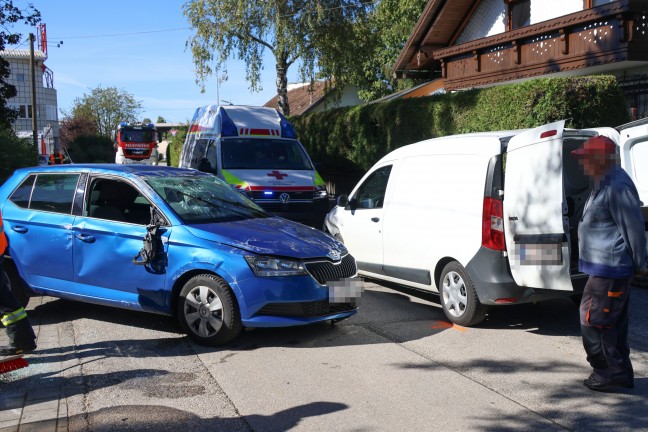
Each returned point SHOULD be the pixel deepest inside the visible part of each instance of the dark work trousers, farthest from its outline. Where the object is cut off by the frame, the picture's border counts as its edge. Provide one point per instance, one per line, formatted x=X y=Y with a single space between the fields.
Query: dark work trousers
x=19 y=330
x=604 y=328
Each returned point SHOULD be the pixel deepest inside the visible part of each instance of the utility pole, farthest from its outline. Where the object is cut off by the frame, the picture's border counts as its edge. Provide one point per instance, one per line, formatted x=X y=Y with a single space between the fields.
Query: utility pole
x=32 y=73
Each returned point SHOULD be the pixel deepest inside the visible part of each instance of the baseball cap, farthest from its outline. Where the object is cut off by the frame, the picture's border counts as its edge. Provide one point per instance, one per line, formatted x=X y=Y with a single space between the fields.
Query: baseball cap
x=601 y=145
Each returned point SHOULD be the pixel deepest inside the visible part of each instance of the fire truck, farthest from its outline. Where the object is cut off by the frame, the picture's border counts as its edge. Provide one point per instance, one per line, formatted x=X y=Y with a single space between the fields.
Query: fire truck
x=136 y=143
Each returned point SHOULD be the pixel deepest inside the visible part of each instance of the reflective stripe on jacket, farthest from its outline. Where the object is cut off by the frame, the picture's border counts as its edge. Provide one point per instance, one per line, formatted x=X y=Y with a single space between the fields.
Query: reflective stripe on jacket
x=13 y=317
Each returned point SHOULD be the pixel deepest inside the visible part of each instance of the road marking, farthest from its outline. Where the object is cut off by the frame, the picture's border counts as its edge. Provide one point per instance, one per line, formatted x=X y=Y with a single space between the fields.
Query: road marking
x=447 y=325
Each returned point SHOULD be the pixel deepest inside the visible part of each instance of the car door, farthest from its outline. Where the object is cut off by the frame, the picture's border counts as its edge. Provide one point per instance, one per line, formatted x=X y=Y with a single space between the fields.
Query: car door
x=362 y=220
x=39 y=220
x=535 y=211
x=107 y=237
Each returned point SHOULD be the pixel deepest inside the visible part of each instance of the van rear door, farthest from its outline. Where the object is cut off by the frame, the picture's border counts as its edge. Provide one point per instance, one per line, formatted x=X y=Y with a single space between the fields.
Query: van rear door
x=633 y=141
x=535 y=210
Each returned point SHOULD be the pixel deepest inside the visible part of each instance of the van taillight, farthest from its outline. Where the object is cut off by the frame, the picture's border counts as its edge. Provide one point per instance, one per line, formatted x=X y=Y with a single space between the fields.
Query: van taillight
x=493 y=225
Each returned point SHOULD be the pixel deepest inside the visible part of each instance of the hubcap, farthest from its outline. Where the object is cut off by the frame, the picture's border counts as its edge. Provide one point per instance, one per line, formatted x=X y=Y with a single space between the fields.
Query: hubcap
x=454 y=294
x=203 y=311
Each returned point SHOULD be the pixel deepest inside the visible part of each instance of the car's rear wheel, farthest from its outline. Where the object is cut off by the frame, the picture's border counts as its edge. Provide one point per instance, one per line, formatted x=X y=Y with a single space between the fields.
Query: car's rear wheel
x=459 y=298
x=208 y=312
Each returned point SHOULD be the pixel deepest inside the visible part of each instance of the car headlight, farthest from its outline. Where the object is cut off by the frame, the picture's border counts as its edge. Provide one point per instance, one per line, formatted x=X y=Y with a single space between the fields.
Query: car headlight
x=270 y=266
x=320 y=192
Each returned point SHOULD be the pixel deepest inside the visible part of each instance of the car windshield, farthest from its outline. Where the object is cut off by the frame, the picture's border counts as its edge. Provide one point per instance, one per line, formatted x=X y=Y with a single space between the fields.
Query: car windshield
x=200 y=199
x=257 y=153
x=134 y=135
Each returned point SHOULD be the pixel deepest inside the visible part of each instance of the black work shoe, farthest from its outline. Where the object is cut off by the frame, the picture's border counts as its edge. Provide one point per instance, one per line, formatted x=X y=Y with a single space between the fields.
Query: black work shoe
x=596 y=384
x=7 y=350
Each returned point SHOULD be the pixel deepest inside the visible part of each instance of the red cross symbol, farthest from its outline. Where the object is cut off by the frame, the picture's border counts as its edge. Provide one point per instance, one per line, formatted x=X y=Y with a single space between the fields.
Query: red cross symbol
x=277 y=175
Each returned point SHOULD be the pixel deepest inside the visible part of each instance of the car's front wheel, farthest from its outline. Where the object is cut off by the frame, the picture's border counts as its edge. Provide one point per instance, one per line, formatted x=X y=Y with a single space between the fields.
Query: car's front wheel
x=208 y=312
x=459 y=298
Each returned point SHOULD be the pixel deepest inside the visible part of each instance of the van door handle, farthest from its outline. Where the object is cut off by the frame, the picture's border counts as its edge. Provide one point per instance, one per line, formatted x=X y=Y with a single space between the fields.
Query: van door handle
x=20 y=229
x=375 y=219
x=86 y=238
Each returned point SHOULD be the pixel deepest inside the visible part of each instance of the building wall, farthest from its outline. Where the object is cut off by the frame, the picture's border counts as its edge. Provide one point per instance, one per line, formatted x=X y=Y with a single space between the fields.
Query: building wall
x=490 y=16
x=46 y=100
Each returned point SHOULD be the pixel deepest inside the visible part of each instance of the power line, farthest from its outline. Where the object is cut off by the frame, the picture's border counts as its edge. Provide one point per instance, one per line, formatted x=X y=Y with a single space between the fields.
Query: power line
x=121 y=34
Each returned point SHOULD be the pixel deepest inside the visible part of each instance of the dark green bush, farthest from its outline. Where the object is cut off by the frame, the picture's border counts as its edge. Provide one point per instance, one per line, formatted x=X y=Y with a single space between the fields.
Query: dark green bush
x=357 y=137
x=92 y=149
x=14 y=153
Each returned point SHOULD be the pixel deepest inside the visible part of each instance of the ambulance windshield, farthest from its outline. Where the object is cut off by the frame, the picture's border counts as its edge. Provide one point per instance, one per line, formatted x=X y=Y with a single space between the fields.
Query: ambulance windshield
x=253 y=153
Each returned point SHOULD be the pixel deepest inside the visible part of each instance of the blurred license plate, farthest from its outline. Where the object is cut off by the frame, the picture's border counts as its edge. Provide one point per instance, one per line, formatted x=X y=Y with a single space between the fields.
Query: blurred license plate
x=540 y=253
x=346 y=290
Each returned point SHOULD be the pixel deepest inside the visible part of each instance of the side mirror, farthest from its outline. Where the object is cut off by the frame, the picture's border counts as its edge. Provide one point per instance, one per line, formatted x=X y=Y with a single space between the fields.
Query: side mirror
x=342 y=200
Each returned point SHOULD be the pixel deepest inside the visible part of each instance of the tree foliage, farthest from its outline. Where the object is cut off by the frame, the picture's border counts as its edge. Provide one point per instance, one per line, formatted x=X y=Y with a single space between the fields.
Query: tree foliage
x=72 y=128
x=382 y=38
x=314 y=33
x=10 y=15
x=106 y=107
x=91 y=149
x=14 y=153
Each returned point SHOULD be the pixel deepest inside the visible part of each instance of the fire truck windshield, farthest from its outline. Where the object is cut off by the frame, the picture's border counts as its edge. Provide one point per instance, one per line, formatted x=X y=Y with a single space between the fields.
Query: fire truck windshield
x=132 y=135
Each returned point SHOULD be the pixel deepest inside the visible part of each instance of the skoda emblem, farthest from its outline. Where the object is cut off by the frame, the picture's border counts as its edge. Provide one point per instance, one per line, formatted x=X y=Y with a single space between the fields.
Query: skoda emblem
x=334 y=255
x=284 y=198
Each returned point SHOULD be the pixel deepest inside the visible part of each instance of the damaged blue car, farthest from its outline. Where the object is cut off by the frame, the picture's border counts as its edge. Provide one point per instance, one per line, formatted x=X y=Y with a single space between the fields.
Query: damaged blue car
x=170 y=241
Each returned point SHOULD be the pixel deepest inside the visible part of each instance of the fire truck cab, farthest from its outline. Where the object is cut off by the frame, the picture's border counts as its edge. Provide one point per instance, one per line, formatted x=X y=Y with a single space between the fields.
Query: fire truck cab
x=136 y=143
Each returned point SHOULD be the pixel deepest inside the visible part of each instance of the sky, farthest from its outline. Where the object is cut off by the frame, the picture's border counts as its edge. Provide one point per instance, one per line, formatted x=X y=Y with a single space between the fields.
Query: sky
x=137 y=46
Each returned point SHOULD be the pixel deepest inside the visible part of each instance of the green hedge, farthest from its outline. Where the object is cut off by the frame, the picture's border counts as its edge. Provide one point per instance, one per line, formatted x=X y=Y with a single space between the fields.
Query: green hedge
x=354 y=138
x=174 y=148
x=14 y=153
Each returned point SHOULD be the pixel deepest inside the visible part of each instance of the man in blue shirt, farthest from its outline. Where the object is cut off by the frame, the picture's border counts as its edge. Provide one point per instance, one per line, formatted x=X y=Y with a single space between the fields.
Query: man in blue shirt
x=612 y=248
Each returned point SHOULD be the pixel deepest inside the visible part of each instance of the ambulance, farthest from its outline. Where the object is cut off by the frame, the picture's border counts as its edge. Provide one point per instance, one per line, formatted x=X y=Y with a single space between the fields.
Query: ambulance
x=255 y=149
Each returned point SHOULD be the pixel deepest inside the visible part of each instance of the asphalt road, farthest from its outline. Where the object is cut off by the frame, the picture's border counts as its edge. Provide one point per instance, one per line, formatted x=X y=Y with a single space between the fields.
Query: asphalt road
x=397 y=365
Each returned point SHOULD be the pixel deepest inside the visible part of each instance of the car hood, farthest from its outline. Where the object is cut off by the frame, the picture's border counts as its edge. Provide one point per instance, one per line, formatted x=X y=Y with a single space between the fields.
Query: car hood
x=271 y=236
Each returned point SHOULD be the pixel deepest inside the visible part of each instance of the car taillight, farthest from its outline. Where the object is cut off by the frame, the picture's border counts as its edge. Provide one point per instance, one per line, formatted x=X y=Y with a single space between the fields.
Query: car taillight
x=493 y=225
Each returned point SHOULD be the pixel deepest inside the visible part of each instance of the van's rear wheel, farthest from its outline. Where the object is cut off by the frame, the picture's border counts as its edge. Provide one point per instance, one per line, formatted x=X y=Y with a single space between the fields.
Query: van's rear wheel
x=459 y=298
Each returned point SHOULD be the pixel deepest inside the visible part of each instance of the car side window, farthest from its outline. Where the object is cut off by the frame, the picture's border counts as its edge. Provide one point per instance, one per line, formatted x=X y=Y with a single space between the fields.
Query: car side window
x=51 y=192
x=22 y=194
x=117 y=201
x=371 y=193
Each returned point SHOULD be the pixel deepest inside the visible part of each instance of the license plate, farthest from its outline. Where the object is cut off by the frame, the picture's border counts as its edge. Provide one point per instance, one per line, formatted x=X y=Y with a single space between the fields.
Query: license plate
x=540 y=254
x=346 y=290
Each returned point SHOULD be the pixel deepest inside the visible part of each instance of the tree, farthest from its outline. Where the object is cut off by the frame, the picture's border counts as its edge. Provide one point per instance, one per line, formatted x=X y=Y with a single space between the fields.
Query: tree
x=106 y=107
x=382 y=38
x=160 y=119
x=10 y=15
x=147 y=120
x=14 y=153
x=313 y=32
x=79 y=135
x=72 y=128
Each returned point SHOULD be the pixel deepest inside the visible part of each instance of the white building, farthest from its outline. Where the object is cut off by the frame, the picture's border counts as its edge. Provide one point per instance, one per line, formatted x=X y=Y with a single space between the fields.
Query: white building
x=46 y=101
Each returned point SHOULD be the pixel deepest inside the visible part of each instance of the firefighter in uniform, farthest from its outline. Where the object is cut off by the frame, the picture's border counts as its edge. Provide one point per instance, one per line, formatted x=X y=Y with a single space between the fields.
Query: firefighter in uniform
x=13 y=316
x=612 y=247
x=56 y=158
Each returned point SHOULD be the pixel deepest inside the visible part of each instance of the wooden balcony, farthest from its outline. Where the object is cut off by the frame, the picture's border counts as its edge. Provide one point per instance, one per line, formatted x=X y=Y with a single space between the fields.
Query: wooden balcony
x=613 y=33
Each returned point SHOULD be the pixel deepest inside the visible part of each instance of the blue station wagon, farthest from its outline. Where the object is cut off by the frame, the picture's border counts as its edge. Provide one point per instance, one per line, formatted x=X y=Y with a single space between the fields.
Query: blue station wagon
x=170 y=241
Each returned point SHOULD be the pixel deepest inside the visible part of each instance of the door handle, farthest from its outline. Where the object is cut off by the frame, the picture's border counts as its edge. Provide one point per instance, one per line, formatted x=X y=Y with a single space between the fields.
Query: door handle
x=86 y=238
x=20 y=229
x=375 y=219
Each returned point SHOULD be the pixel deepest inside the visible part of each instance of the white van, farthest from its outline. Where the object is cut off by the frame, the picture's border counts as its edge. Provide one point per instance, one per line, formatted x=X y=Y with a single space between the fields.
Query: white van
x=256 y=150
x=484 y=219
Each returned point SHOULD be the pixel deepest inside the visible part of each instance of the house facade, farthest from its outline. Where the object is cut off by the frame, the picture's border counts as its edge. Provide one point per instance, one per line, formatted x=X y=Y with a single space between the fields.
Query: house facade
x=479 y=43
x=46 y=98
